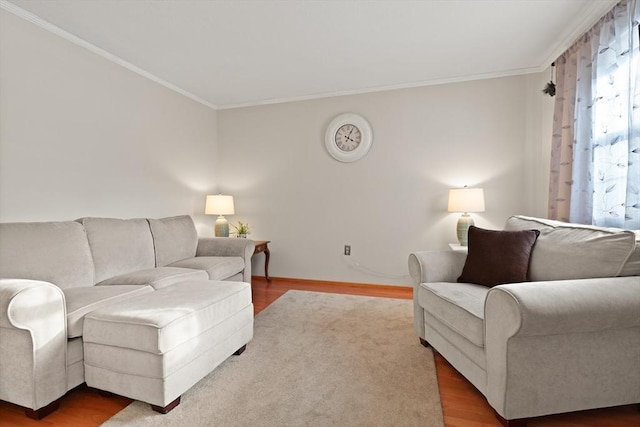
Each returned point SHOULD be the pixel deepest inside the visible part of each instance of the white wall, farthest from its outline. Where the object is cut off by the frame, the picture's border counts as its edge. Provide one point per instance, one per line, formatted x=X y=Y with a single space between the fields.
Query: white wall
x=539 y=129
x=82 y=136
x=484 y=133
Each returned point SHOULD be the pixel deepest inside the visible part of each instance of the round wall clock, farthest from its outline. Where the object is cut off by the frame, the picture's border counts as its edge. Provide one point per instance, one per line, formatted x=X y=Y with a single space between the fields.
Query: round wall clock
x=348 y=137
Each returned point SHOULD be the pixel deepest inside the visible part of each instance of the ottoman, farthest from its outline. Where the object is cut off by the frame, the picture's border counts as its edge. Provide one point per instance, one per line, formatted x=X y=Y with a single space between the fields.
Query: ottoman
x=156 y=346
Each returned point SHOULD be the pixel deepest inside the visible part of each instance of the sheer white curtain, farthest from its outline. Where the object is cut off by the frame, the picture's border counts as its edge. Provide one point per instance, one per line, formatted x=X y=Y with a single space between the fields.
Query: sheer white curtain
x=595 y=159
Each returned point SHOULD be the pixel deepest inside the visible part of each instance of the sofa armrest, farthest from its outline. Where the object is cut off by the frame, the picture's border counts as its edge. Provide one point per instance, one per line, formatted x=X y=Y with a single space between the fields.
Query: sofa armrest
x=562 y=346
x=228 y=246
x=33 y=333
x=429 y=267
x=567 y=306
x=436 y=266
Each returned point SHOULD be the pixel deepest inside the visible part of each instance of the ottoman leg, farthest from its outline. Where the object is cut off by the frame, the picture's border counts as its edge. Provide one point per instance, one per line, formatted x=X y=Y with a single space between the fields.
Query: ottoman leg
x=240 y=350
x=169 y=407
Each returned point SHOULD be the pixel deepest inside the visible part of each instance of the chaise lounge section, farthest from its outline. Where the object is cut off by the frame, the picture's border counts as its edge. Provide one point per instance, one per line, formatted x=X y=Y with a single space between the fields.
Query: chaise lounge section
x=53 y=275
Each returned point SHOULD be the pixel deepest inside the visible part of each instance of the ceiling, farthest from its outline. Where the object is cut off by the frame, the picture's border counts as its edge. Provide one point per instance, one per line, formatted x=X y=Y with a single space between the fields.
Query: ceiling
x=231 y=53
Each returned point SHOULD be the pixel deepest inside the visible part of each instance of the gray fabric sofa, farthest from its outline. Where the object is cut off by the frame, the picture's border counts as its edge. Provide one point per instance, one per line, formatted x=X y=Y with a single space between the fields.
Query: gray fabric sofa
x=54 y=274
x=567 y=340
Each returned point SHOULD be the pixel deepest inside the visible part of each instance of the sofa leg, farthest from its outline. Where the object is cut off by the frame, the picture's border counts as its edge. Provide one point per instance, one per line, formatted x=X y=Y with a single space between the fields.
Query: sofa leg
x=38 y=414
x=520 y=422
x=240 y=350
x=424 y=342
x=169 y=407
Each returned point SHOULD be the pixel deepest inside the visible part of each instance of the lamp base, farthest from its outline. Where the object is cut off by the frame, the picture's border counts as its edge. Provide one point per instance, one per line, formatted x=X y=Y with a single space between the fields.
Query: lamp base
x=221 y=229
x=462 y=229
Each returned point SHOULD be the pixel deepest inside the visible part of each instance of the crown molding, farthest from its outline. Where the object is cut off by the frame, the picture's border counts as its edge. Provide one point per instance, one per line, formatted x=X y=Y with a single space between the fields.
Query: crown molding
x=591 y=15
x=412 y=85
x=45 y=25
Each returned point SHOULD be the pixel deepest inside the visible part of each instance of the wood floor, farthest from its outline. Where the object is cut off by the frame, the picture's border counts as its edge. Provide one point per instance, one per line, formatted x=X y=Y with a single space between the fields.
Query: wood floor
x=462 y=404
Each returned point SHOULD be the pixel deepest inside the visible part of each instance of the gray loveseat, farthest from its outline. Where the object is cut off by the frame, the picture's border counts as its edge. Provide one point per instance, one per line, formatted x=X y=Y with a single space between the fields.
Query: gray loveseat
x=566 y=340
x=53 y=275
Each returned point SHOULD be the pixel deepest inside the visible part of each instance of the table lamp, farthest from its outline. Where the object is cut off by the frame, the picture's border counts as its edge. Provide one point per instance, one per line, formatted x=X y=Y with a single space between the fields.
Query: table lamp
x=220 y=205
x=465 y=200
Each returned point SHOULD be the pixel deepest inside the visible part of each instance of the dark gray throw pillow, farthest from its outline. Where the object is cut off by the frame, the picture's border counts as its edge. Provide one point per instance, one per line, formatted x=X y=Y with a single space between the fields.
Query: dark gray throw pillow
x=498 y=257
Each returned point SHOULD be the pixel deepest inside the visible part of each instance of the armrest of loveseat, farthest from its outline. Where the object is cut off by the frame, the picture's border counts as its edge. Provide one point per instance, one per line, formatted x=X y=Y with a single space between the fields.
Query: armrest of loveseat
x=562 y=346
x=227 y=246
x=429 y=267
x=33 y=333
x=436 y=266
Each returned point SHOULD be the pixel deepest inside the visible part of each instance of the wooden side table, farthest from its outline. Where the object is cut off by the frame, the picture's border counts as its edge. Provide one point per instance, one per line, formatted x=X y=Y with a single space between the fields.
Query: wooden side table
x=262 y=246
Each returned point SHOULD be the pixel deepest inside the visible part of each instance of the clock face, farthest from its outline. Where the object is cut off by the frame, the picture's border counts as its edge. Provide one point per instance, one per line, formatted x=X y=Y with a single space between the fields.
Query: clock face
x=348 y=137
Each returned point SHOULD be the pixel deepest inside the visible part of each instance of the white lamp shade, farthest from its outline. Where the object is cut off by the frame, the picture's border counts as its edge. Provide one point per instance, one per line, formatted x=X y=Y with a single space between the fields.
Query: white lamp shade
x=466 y=200
x=219 y=205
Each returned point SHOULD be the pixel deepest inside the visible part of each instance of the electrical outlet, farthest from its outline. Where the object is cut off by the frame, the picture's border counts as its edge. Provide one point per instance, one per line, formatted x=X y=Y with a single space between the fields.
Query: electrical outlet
x=347 y=250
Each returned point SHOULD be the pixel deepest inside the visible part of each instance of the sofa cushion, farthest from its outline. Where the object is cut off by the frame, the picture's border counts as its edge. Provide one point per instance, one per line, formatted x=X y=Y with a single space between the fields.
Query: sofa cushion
x=460 y=306
x=567 y=251
x=56 y=252
x=498 y=257
x=80 y=301
x=157 y=278
x=119 y=246
x=217 y=267
x=174 y=239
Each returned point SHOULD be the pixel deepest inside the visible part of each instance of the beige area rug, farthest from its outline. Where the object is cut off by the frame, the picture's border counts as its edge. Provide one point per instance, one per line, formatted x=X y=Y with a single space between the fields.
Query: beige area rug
x=316 y=359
